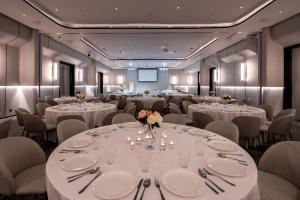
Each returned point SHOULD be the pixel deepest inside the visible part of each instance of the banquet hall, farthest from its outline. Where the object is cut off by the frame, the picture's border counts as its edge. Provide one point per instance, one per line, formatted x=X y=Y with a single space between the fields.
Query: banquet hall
x=149 y=100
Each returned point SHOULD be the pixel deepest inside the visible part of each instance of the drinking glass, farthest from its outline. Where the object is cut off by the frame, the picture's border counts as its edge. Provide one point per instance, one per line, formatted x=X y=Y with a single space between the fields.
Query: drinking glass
x=184 y=159
x=96 y=142
x=144 y=162
x=200 y=147
x=109 y=154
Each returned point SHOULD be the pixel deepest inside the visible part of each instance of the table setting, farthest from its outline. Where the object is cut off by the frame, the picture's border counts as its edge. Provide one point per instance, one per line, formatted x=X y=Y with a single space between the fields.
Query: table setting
x=93 y=113
x=147 y=101
x=227 y=112
x=116 y=162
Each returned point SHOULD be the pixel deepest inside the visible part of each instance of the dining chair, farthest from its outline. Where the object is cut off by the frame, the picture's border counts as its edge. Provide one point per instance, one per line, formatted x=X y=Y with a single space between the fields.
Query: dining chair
x=248 y=128
x=174 y=119
x=159 y=106
x=185 y=106
x=281 y=127
x=112 y=97
x=4 y=128
x=51 y=102
x=122 y=102
x=139 y=105
x=284 y=113
x=66 y=117
x=41 y=108
x=175 y=107
x=70 y=101
x=247 y=101
x=226 y=129
x=115 y=102
x=122 y=118
x=200 y=120
x=278 y=172
x=128 y=106
x=131 y=110
x=108 y=119
x=173 y=110
x=34 y=124
x=19 y=114
x=268 y=109
x=22 y=167
x=69 y=128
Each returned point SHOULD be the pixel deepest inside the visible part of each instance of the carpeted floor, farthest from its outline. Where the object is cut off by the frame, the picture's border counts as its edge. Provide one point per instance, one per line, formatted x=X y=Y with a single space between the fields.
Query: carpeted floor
x=255 y=152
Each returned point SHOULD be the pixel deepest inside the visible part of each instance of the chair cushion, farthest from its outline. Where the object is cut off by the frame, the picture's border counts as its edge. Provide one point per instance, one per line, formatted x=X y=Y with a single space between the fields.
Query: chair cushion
x=51 y=127
x=273 y=187
x=264 y=128
x=31 y=180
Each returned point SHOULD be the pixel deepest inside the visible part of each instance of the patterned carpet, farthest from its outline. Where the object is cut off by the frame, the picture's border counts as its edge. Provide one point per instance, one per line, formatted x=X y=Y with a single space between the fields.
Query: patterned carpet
x=255 y=152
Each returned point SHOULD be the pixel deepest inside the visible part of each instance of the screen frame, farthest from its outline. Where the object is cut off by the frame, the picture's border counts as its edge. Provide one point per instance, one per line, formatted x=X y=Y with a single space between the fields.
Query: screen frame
x=138 y=74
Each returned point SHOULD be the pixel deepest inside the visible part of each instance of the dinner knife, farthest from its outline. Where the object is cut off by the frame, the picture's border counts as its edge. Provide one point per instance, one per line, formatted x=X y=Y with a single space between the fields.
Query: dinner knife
x=84 y=188
x=138 y=188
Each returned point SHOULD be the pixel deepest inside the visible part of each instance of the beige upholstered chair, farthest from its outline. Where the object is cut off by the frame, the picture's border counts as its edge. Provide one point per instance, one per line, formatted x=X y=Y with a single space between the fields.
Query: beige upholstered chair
x=108 y=119
x=122 y=118
x=4 y=128
x=174 y=119
x=158 y=106
x=139 y=105
x=248 y=128
x=185 y=105
x=22 y=167
x=226 y=129
x=200 y=120
x=122 y=102
x=268 y=109
x=128 y=106
x=41 y=108
x=70 y=101
x=51 y=102
x=131 y=110
x=66 y=117
x=115 y=102
x=173 y=110
x=247 y=101
x=284 y=113
x=19 y=113
x=175 y=107
x=278 y=172
x=34 y=124
x=281 y=127
x=70 y=127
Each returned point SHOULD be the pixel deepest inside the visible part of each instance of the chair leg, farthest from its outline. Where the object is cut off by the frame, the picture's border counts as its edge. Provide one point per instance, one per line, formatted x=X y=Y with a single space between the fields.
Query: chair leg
x=290 y=134
x=273 y=138
x=258 y=140
x=23 y=132
x=253 y=140
x=263 y=137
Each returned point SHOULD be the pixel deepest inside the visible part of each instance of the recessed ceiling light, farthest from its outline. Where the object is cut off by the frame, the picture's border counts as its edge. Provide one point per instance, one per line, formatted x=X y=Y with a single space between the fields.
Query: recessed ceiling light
x=164 y=64
x=130 y=64
x=56 y=9
x=178 y=7
x=116 y=9
x=280 y=12
x=241 y=7
x=24 y=15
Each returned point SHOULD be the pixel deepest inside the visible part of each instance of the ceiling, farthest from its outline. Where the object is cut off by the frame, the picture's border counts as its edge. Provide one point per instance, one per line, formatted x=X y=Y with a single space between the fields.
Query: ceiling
x=135 y=33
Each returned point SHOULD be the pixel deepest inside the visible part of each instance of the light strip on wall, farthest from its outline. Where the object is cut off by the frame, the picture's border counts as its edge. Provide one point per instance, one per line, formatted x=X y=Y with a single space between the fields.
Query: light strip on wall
x=243 y=71
x=55 y=71
x=91 y=45
x=146 y=25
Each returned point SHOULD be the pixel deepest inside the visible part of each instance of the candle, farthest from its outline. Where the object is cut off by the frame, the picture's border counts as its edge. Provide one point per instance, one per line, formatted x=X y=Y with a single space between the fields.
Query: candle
x=171 y=144
x=138 y=140
x=140 y=132
x=132 y=144
x=164 y=135
x=128 y=139
x=163 y=145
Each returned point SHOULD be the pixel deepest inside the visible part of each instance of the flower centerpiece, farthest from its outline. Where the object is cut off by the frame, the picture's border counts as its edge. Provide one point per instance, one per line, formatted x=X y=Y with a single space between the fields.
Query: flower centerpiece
x=146 y=92
x=226 y=97
x=151 y=120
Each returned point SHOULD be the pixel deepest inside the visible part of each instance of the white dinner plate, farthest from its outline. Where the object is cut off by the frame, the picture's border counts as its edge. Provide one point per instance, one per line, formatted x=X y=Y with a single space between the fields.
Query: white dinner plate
x=105 y=130
x=133 y=124
x=166 y=125
x=79 y=142
x=114 y=185
x=199 y=132
x=223 y=145
x=79 y=162
x=226 y=167
x=183 y=183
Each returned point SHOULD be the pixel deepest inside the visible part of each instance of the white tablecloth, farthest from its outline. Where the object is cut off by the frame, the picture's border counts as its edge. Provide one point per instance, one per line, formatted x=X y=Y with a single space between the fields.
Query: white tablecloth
x=62 y=100
x=210 y=99
x=227 y=112
x=147 y=101
x=162 y=161
x=93 y=113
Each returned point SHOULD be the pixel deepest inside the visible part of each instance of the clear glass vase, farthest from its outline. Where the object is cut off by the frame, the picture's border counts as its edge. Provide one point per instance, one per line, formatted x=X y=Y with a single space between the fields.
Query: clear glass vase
x=149 y=138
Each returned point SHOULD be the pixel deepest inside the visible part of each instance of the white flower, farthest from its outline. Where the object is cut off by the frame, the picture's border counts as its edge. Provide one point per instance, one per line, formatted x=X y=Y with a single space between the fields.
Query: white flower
x=151 y=119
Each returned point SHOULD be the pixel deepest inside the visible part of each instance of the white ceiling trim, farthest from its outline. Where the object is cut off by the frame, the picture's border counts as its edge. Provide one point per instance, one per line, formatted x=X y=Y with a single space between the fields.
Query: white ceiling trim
x=91 y=45
x=147 y=25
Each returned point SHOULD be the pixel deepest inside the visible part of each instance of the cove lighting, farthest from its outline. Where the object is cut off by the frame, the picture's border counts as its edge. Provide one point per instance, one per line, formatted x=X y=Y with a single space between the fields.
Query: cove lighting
x=163 y=69
x=189 y=80
x=120 y=79
x=105 y=79
x=243 y=71
x=54 y=71
x=174 y=80
x=216 y=76
x=79 y=75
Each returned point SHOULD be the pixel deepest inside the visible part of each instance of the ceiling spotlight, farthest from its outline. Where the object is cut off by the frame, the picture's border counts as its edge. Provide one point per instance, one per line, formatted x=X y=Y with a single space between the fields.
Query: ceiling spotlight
x=280 y=12
x=56 y=9
x=241 y=7
x=130 y=64
x=164 y=64
x=89 y=54
x=178 y=7
x=24 y=15
x=116 y=9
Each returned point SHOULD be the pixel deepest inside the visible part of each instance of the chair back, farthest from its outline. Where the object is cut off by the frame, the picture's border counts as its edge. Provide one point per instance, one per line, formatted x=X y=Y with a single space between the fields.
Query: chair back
x=282 y=125
x=248 y=126
x=185 y=106
x=122 y=118
x=108 y=119
x=41 y=108
x=34 y=124
x=226 y=129
x=158 y=106
x=174 y=119
x=268 y=109
x=112 y=97
x=247 y=101
x=172 y=110
x=115 y=102
x=122 y=102
x=4 y=128
x=175 y=107
x=131 y=110
x=70 y=127
x=200 y=120
x=139 y=105
x=128 y=106
x=66 y=117
x=19 y=113
x=51 y=102
x=283 y=159
x=285 y=112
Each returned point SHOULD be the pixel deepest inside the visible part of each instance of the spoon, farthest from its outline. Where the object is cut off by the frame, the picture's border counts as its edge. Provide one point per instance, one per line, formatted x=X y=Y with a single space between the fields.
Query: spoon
x=146 y=184
x=223 y=179
x=203 y=175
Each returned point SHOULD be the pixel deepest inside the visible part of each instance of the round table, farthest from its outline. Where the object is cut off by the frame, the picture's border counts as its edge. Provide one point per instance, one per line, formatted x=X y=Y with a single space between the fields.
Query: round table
x=127 y=160
x=148 y=101
x=212 y=99
x=227 y=112
x=62 y=100
x=93 y=113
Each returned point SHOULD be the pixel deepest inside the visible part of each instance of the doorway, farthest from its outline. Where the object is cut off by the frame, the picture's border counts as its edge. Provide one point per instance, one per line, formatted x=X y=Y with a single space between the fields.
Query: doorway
x=66 y=79
x=212 y=79
x=100 y=83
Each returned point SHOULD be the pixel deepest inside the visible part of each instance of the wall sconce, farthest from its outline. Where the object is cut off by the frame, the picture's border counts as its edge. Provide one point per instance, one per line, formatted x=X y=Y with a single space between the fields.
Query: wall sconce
x=120 y=79
x=105 y=79
x=55 y=71
x=243 y=71
x=174 y=80
x=216 y=76
x=79 y=75
x=189 y=80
